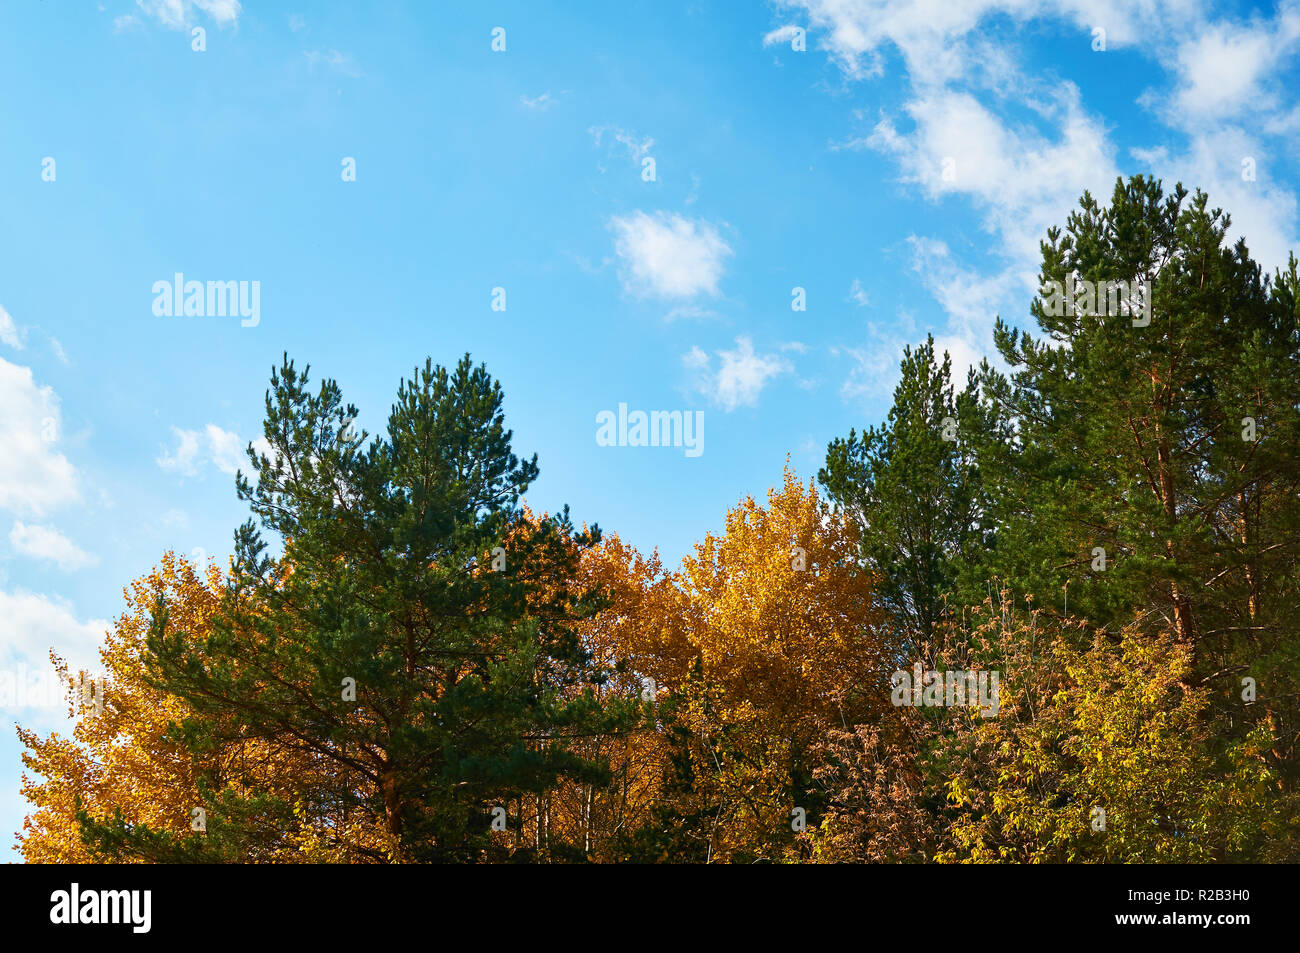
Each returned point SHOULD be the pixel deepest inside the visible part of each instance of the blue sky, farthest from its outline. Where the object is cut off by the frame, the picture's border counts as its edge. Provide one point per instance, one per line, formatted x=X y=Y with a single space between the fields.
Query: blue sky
x=900 y=169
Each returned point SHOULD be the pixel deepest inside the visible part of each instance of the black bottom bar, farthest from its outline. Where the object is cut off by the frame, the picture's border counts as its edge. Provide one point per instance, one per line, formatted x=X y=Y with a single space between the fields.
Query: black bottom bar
x=358 y=904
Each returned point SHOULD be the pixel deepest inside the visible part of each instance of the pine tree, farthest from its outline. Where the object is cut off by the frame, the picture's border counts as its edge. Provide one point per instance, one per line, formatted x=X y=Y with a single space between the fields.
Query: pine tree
x=912 y=488
x=1154 y=462
x=417 y=635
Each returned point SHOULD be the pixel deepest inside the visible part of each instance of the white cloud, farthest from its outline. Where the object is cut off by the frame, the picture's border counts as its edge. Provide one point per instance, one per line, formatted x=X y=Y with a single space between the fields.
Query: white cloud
x=936 y=40
x=1264 y=213
x=227 y=450
x=43 y=542
x=542 y=103
x=971 y=298
x=34 y=476
x=196 y=448
x=963 y=355
x=31 y=625
x=781 y=35
x=223 y=11
x=1020 y=180
x=963 y=133
x=342 y=63
x=181 y=14
x=174 y=518
x=1229 y=101
x=185 y=459
x=1220 y=69
x=667 y=256
x=695 y=359
x=740 y=377
x=1023 y=179
x=874 y=365
x=690 y=311
x=873 y=368
x=858 y=294
x=1224 y=68
x=635 y=147
x=9 y=331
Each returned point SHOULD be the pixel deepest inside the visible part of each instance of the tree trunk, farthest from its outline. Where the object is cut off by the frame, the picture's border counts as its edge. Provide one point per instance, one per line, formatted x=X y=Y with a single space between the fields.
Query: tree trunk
x=1183 y=628
x=392 y=802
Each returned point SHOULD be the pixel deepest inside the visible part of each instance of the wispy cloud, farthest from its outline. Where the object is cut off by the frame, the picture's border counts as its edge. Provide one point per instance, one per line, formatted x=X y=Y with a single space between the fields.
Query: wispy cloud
x=181 y=14
x=688 y=312
x=966 y=80
x=665 y=255
x=341 y=63
x=1227 y=69
x=781 y=35
x=858 y=294
x=9 y=335
x=34 y=476
x=1021 y=180
x=540 y=103
x=738 y=377
x=32 y=624
x=621 y=142
x=195 y=449
x=48 y=544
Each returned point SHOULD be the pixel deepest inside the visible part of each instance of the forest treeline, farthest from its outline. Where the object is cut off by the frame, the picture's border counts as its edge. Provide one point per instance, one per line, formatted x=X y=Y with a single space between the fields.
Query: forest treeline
x=1104 y=525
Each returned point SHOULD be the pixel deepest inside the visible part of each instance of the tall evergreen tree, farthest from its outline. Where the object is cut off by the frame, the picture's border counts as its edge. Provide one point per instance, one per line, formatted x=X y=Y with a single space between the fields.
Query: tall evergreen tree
x=912 y=488
x=417 y=635
x=1154 y=463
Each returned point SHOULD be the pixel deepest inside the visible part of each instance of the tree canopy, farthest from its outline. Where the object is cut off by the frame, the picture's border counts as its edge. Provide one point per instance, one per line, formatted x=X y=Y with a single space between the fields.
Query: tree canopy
x=1047 y=614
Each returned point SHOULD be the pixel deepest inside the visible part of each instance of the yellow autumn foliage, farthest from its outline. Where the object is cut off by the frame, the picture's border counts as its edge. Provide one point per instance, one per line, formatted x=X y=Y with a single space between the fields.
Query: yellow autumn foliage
x=121 y=755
